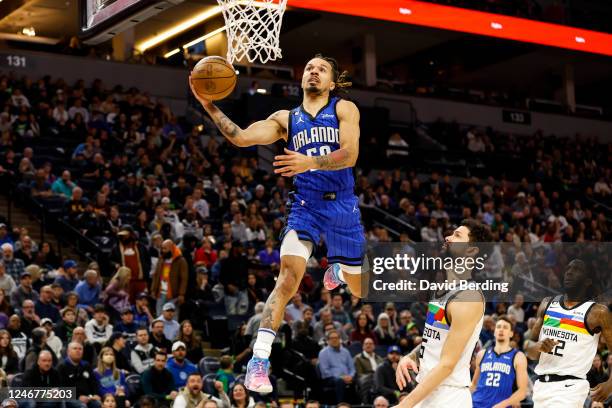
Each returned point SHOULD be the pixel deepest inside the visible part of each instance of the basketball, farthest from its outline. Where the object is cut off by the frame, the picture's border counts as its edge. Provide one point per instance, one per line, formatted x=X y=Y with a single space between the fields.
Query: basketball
x=213 y=78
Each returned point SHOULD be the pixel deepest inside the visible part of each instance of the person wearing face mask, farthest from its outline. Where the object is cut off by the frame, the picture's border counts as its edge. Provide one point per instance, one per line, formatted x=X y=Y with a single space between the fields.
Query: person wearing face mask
x=170 y=277
x=111 y=380
x=131 y=253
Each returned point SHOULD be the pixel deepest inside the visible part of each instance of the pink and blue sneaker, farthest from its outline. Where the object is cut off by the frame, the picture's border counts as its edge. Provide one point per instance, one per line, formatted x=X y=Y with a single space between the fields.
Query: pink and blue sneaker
x=257 y=376
x=331 y=279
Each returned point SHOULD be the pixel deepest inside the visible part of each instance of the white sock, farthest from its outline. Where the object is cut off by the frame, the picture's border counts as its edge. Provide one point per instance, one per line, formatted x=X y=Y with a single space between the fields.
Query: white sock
x=341 y=275
x=263 y=344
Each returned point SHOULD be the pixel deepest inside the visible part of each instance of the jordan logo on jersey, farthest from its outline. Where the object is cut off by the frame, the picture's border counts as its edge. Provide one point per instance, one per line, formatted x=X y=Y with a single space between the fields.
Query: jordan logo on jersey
x=316 y=135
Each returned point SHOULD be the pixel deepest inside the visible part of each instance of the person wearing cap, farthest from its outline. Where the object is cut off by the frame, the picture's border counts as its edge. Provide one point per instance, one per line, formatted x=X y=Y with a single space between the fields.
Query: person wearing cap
x=38 y=344
x=54 y=342
x=127 y=325
x=67 y=277
x=118 y=345
x=7 y=283
x=170 y=277
x=24 y=292
x=142 y=314
x=131 y=253
x=179 y=366
x=384 y=377
x=337 y=367
x=14 y=267
x=5 y=237
x=89 y=290
x=44 y=305
x=171 y=326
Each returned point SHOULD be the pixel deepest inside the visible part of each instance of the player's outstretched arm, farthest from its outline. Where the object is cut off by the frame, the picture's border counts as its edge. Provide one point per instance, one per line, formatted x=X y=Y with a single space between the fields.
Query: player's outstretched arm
x=465 y=317
x=533 y=347
x=600 y=318
x=476 y=376
x=259 y=133
x=522 y=383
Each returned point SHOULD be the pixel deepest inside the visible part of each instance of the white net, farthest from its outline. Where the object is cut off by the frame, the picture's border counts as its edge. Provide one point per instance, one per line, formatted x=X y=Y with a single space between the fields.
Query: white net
x=253 y=29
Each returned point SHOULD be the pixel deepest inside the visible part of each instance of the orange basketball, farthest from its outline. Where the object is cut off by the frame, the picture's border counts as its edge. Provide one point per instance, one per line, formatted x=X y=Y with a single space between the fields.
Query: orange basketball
x=213 y=78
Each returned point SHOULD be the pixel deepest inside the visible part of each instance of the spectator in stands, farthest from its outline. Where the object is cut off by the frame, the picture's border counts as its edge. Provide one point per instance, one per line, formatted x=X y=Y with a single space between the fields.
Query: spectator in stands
x=192 y=395
x=487 y=334
x=7 y=283
x=5 y=237
x=76 y=205
x=19 y=340
x=64 y=186
x=384 y=377
x=90 y=355
x=53 y=341
x=127 y=325
x=325 y=318
x=240 y=398
x=171 y=326
x=269 y=256
x=111 y=380
x=363 y=329
x=432 y=232
x=42 y=374
x=47 y=257
x=381 y=402
x=9 y=360
x=225 y=373
x=304 y=343
x=24 y=291
x=26 y=251
x=89 y=290
x=395 y=140
x=192 y=341
x=98 y=329
x=5 y=306
x=385 y=334
x=179 y=366
x=118 y=345
x=29 y=319
x=131 y=253
x=158 y=339
x=76 y=372
x=143 y=354
x=516 y=309
x=157 y=381
x=14 y=267
x=142 y=314
x=336 y=366
x=339 y=314
x=170 y=277
x=66 y=326
x=67 y=278
x=116 y=295
x=597 y=374
x=367 y=361
x=45 y=306
x=295 y=309
x=205 y=255
x=38 y=344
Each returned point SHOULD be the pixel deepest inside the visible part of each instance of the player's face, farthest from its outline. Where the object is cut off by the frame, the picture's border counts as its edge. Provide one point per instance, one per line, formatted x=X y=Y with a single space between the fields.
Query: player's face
x=318 y=76
x=456 y=242
x=503 y=331
x=574 y=276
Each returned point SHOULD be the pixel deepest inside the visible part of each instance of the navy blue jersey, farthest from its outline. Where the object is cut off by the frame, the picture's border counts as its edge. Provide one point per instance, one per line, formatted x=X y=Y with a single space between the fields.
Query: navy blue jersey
x=318 y=136
x=497 y=377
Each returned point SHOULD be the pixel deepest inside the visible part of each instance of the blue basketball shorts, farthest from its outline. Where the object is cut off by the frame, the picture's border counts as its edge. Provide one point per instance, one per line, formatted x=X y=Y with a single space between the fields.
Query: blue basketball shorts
x=337 y=221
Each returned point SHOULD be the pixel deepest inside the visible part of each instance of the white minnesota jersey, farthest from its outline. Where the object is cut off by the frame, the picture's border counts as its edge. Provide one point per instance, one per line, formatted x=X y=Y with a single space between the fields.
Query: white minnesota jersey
x=434 y=337
x=577 y=344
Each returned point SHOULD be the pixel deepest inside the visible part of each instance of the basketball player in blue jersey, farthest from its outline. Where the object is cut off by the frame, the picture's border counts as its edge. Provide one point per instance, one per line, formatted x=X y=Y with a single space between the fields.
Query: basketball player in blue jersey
x=452 y=327
x=498 y=369
x=565 y=339
x=322 y=138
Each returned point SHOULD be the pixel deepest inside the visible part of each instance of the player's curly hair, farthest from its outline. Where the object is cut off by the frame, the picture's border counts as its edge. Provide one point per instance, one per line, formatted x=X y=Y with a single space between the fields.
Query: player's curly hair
x=340 y=78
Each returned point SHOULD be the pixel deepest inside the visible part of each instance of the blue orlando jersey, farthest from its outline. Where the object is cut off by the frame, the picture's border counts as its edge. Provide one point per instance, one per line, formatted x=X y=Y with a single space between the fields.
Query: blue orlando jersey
x=318 y=136
x=497 y=378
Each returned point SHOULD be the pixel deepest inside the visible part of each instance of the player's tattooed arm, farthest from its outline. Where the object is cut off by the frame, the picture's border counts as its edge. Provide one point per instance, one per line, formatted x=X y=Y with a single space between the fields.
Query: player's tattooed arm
x=229 y=129
x=600 y=319
x=335 y=160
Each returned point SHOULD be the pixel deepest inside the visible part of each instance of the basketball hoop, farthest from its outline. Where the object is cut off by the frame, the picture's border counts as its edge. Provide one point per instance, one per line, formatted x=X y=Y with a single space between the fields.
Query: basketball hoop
x=253 y=29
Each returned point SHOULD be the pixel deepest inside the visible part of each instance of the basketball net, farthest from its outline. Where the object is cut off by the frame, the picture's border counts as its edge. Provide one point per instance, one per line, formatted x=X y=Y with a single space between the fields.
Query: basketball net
x=253 y=29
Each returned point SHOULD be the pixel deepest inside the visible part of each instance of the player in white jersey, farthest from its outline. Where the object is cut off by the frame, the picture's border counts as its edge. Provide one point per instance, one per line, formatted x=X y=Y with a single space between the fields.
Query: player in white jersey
x=451 y=332
x=565 y=339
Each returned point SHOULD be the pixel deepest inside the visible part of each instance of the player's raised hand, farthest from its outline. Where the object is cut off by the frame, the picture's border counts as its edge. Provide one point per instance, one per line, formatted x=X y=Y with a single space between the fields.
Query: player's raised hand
x=601 y=392
x=546 y=345
x=402 y=373
x=205 y=102
x=292 y=163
